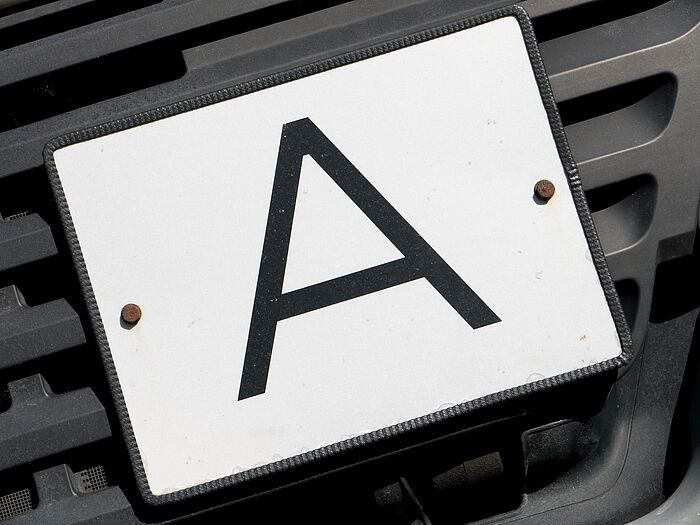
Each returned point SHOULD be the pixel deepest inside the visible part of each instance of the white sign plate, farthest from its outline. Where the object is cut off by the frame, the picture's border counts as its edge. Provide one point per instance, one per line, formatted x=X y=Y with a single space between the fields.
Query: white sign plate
x=353 y=248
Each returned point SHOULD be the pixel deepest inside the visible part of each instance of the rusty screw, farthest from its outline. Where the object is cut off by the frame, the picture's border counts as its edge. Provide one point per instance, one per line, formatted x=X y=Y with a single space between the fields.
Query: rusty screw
x=544 y=189
x=131 y=313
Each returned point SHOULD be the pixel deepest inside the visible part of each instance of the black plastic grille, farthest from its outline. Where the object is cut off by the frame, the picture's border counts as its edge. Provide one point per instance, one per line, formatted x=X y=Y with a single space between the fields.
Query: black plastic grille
x=627 y=78
x=15 y=503
x=91 y=479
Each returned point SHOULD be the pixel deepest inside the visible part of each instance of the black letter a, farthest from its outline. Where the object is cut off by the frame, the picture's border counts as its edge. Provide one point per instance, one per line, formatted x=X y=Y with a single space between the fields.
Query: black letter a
x=419 y=259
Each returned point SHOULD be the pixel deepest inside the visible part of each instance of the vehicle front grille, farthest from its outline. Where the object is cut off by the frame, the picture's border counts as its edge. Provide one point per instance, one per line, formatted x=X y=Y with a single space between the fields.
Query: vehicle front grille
x=626 y=76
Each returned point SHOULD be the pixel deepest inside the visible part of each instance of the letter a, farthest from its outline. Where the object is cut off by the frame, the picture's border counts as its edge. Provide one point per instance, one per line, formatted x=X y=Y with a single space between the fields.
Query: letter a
x=419 y=260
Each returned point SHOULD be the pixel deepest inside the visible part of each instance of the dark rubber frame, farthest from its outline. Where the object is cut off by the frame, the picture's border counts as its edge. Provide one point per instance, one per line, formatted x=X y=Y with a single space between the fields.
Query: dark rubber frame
x=406 y=427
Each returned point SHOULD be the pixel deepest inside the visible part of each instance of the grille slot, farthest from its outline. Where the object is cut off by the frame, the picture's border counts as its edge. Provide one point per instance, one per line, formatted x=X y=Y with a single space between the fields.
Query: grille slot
x=129 y=70
x=588 y=14
x=5 y=400
x=30 y=25
x=86 y=83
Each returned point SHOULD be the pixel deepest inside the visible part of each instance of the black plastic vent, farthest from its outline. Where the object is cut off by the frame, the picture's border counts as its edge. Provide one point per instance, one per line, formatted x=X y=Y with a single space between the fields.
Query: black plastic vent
x=15 y=503
x=627 y=81
x=15 y=6
x=5 y=400
x=31 y=25
x=91 y=479
x=86 y=83
x=588 y=14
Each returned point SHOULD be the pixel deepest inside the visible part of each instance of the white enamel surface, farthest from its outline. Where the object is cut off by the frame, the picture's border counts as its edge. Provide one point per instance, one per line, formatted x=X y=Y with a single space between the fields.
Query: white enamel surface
x=171 y=215
x=331 y=237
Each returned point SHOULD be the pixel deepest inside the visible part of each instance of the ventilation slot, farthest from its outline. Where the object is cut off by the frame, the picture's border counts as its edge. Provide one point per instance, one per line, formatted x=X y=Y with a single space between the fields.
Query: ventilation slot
x=54 y=20
x=477 y=488
x=628 y=291
x=620 y=117
x=658 y=88
x=131 y=70
x=587 y=15
x=676 y=287
x=90 y=480
x=622 y=212
x=16 y=503
x=37 y=281
x=24 y=193
x=551 y=451
x=11 y=7
x=99 y=79
x=5 y=401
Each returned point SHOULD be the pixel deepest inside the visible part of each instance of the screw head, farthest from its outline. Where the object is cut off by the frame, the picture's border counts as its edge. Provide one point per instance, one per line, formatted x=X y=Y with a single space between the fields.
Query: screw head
x=131 y=313
x=544 y=189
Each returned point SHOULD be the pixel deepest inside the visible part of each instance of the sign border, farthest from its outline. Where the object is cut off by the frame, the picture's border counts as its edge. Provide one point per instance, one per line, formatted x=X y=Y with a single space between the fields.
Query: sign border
x=401 y=429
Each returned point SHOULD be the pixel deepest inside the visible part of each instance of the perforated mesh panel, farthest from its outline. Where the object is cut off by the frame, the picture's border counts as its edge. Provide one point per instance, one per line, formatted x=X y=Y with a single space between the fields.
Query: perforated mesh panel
x=91 y=479
x=15 y=503
x=16 y=216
